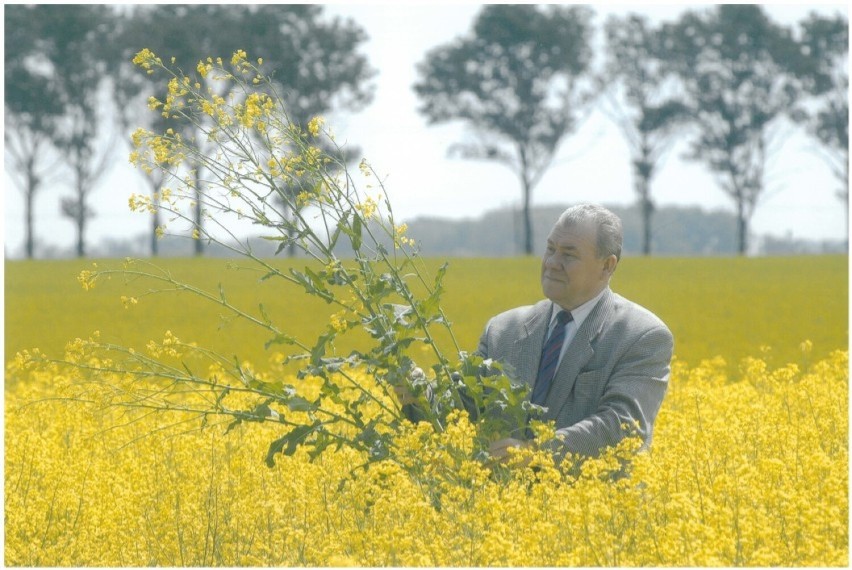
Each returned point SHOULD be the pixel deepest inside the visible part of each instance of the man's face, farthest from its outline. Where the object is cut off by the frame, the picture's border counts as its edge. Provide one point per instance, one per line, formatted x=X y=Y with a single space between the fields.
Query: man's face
x=571 y=272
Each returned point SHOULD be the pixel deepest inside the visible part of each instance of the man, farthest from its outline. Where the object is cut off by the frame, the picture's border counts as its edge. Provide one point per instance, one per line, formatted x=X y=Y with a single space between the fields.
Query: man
x=597 y=362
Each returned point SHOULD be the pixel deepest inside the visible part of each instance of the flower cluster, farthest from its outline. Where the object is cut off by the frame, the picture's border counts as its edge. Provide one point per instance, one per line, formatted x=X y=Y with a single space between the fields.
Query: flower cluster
x=746 y=471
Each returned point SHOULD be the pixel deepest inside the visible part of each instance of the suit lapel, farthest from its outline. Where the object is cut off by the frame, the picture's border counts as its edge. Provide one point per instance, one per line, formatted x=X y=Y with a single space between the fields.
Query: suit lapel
x=530 y=342
x=577 y=355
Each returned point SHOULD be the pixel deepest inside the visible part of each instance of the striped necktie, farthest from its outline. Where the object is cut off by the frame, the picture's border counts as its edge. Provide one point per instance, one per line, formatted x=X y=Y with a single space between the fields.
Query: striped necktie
x=549 y=358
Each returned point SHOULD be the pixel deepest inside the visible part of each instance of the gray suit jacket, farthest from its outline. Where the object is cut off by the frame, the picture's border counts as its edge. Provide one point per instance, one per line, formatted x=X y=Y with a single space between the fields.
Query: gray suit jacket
x=613 y=374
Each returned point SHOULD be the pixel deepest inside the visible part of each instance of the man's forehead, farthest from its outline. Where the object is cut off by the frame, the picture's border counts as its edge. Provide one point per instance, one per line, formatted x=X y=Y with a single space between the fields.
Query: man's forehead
x=572 y=234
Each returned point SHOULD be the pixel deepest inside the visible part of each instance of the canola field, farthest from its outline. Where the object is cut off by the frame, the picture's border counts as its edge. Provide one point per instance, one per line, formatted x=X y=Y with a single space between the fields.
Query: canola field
x=749 y=465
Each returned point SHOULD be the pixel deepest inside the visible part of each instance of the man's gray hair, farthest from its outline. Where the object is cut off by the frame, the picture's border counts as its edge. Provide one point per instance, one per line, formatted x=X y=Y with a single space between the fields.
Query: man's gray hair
x=609 y=231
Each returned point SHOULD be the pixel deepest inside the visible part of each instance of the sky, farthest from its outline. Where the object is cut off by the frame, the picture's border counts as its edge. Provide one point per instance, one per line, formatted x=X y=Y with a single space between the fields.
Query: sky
x=592 y=164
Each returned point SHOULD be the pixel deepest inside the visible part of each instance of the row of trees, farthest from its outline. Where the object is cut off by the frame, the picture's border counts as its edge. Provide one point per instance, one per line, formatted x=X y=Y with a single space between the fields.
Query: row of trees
x=724 y=78
x=62 y=59
x=523 y=79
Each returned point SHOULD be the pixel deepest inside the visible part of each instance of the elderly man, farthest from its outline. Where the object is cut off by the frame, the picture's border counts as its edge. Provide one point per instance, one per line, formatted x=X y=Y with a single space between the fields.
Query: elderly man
x=597 y=362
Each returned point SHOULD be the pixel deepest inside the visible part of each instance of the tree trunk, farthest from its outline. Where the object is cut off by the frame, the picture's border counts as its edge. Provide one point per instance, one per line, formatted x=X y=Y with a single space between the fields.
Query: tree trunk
x=32 y=183
x=526 y=195
x=80 y=218
x=644 y=170
x=742 y=227
x=528 y=238
x=155 y=241
x=647 y=212
x=81 y=229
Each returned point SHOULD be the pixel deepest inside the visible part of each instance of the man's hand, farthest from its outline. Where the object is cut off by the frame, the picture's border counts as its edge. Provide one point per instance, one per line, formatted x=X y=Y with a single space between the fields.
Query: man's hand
x=404 y=393
x=499 y=450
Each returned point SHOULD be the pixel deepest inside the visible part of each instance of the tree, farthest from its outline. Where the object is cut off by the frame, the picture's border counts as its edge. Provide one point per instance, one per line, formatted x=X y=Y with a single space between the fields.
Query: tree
x=823 y=67
x=314 y=64
x=189 y=34
x=731 y=60
x=77 y=52
x=643 y=100
x=32 y=107
x=130 y=89
x=515 y=81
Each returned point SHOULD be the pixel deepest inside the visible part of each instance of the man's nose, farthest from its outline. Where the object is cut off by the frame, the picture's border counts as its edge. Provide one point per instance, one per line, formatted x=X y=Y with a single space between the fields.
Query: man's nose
x=551 y=261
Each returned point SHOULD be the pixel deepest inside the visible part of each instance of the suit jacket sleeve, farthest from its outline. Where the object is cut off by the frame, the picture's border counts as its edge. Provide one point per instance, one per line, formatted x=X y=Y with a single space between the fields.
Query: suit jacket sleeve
x=482 y=349
x=630 y=400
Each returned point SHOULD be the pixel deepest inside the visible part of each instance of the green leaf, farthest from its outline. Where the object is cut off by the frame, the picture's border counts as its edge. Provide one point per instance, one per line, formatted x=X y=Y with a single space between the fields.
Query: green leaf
x=318 y=351
x=282 y=245
x=221 y=396
x=279 y=338
x=290 y=442
x=299 y=404
x=321 y=442
x=334 y=237
x=319 y=280
x=263 y=314
x=312 y=284
x=356 y=232
x=232 y=425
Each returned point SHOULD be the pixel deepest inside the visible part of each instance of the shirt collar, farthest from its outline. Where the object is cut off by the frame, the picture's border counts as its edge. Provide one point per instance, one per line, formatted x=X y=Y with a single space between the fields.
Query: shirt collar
x=579 y=314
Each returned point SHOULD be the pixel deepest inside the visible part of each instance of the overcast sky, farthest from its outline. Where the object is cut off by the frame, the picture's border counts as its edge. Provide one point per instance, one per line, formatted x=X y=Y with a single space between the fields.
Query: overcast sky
x=593 y=164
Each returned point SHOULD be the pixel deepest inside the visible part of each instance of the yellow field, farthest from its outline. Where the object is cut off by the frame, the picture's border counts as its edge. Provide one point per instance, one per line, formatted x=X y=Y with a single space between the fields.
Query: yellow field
x=749 y=465
x=726 y=307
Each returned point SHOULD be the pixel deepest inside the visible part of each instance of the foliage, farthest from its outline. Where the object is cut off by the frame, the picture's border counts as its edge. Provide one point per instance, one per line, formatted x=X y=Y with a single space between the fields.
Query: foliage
x=732 y=62
x=649 y=108
x=746 y=470
x=78 y=58
x=33 y=105
x=516 y=82
x=823 y=68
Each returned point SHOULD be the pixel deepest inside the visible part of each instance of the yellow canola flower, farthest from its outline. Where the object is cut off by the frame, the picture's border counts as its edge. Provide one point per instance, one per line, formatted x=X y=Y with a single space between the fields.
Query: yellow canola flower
x=146 y=60
x=368 y=207
x=314 y=126
x=400 y=239
x=238 y=57
x=87 y=279
x=762 y=480
x=204 y=68
x=338 y=321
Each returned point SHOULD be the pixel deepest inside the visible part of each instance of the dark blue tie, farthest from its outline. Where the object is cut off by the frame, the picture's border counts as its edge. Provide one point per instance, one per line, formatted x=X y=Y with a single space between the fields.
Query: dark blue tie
x=549 y=358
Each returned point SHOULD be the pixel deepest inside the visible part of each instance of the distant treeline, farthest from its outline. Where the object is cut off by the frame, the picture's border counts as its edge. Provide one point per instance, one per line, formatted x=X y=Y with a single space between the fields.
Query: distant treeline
x=726 y=81
x=678 y=231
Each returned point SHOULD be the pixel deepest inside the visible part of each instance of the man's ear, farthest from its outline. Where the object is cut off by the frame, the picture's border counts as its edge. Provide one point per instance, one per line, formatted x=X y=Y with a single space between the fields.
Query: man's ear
x=610 y=263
